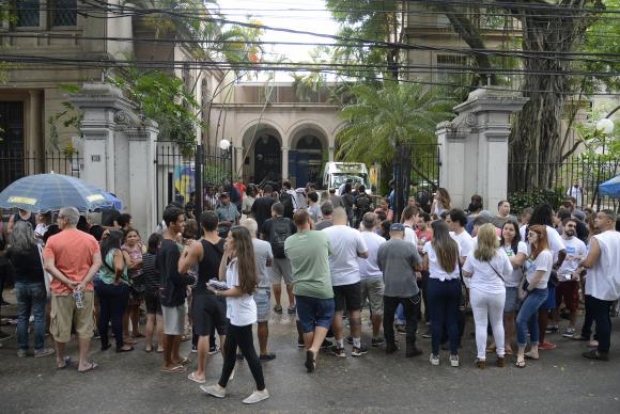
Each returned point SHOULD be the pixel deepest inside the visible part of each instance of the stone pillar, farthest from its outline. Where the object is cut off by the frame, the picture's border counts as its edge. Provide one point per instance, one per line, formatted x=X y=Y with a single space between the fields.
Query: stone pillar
x=285 y=163
x=119 y=151
x=474 y=147
x=330 y=154
x=239 y=162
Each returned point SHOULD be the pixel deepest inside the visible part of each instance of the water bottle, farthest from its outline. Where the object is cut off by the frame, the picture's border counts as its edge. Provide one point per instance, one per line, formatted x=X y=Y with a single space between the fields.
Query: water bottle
x=78 y=295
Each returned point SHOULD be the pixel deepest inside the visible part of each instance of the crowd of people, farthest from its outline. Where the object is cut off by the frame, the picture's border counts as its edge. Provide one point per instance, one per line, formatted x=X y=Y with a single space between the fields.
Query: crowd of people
x=337 y=252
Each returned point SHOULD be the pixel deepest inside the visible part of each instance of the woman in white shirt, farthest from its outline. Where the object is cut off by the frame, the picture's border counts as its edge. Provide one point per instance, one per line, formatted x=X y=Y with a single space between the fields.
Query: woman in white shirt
x=239 y=268
x=516 y=250
x=488 y=268
x=441 y=256
x=533 y=292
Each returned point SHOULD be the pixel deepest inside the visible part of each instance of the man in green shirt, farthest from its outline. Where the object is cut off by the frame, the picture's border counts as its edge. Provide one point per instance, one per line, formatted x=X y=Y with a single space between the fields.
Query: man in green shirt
x=308 y=251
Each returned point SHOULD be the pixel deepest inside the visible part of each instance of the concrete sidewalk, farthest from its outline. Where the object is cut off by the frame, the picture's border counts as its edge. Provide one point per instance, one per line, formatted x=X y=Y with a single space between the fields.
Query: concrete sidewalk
x=561 y=382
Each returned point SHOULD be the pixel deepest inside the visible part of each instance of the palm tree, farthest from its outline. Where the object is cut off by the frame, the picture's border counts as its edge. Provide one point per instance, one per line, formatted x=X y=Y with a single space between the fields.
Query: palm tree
x=381 y=118
x=386 y=121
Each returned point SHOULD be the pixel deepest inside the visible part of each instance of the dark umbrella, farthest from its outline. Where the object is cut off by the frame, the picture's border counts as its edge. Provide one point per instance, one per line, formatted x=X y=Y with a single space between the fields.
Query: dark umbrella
x=43 y=192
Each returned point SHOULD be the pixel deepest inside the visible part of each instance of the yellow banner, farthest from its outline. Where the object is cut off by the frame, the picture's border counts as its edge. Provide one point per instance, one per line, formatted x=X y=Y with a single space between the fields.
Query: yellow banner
x=23 y=200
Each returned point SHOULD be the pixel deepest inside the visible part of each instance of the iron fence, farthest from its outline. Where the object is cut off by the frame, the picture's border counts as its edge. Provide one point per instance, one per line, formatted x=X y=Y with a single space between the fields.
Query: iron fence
x=176 y=172
x=15 y=164
x=586 y=173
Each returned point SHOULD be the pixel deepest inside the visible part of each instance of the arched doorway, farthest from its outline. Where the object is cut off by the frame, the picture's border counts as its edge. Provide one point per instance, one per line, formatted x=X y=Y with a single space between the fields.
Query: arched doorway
x=267 y=158
x=306 y=160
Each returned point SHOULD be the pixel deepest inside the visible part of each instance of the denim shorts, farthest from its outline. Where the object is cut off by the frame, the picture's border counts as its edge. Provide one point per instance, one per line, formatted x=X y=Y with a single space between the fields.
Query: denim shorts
x=512 y=300
x=262 y=297
x=314 y=312
x=550 y=302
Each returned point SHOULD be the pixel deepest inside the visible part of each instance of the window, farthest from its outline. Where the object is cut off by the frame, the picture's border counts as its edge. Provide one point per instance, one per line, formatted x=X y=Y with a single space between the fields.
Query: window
x=64 y=12
x=451 y=68
x=27 y=13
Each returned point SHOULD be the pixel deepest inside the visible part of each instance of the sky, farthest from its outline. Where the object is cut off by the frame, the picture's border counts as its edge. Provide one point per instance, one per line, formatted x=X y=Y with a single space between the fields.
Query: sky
x=301 y=15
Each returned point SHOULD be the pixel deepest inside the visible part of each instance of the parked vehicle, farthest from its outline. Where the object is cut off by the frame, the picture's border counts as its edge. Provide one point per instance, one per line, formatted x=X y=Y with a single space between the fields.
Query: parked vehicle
x=336 y=174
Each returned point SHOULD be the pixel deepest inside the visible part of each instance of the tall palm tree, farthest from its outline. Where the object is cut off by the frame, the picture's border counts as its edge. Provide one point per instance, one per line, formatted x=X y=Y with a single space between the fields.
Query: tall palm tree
x=382 y=117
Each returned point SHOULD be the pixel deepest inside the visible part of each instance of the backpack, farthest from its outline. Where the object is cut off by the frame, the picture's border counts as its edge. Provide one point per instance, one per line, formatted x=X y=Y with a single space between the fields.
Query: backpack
x=280 y=231
x=363 y=203
x=287 y=201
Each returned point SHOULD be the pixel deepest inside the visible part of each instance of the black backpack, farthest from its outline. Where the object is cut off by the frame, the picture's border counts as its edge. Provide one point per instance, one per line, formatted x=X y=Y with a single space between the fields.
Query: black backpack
x=287 y=201
x=280 y=231
x=363 y=203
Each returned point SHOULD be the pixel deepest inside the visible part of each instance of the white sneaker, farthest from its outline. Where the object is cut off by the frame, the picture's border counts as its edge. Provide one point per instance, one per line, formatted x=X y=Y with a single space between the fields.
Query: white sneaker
x=434 y=359
x=257 y=396
x=454 y=361
x=214 y=390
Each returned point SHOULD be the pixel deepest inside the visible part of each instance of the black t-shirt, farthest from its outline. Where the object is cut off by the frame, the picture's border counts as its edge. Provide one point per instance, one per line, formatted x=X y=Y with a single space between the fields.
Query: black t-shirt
x=209 y=266
x=262 y=210
x=109 y=216
x=265 y=230
x=173 y=285
x=27 y=265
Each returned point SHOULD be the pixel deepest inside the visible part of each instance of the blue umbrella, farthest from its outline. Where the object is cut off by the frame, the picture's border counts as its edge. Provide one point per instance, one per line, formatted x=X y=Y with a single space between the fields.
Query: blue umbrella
x=43 y=192
x=611 y=187
x=115 y=202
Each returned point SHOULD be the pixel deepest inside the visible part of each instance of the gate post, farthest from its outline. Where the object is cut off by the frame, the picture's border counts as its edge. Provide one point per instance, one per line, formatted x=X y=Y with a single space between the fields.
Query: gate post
x=474 y=147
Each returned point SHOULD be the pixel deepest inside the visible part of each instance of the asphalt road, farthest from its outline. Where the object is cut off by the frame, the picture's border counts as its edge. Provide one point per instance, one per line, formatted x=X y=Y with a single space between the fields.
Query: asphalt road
x=561 y=382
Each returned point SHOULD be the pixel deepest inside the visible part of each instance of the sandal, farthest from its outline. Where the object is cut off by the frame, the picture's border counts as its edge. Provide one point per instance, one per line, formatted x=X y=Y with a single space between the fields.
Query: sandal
x=148 y=348
x=310 y=363
x=92 y=367
x=66 y=362
x=176 y=368
x=193 y=377
x=528 y=355
x=520 y=364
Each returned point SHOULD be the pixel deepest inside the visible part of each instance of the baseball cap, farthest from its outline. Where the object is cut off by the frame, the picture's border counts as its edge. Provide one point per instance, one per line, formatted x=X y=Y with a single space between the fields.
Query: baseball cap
x=397 y=227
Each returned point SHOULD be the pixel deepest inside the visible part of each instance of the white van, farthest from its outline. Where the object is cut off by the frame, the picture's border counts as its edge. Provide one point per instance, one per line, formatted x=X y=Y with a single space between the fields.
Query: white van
x=336 y=174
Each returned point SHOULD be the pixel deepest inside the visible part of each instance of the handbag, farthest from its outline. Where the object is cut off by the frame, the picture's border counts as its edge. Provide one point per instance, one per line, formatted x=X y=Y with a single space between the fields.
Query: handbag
x=496 y=272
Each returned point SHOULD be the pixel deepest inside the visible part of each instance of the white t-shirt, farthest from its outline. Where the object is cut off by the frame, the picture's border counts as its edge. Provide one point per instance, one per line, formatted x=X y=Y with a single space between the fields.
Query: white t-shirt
x=484 y=277
x=435 y=269
x=262 y=253
x=517 y=273
x=544 y=262
x=241 y=310
x=575 y=252
x=410 y=236
x=369 y=267
x=465 y=241
x=345 y=243
x=603 y=281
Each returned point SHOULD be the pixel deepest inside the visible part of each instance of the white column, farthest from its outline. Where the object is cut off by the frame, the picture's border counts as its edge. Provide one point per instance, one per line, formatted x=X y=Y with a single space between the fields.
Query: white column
x=330 y=155
x=285 y=163
x=452 y=156
x=238 y=169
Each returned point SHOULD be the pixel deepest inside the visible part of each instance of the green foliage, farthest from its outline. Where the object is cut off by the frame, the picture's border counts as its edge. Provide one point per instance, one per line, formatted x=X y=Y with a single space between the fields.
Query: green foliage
x=520 y=200
x=70 y=117
x=165 y=99
x=381 y=117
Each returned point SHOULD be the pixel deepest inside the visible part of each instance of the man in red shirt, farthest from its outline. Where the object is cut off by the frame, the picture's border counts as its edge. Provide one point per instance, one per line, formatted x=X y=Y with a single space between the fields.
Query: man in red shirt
x=73 y=258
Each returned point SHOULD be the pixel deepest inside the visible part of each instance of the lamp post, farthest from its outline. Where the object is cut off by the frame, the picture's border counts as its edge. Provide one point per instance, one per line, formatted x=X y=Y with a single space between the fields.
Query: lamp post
x=225 y=146
x=606 y=127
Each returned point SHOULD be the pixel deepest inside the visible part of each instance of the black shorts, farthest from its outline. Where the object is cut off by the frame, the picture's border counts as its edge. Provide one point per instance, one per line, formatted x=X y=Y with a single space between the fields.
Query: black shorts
x=348 y=297
x=151 y=299
x=207 y=311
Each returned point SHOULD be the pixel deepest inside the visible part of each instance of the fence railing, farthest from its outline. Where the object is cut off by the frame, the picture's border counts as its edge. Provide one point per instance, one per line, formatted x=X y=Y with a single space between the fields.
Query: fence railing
x=587 y=174
x=15 y=164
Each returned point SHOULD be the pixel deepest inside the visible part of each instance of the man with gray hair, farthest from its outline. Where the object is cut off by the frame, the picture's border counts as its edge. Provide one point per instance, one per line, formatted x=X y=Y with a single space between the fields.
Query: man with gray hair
x=327 y=209
x=73 y=258
x=263 y=256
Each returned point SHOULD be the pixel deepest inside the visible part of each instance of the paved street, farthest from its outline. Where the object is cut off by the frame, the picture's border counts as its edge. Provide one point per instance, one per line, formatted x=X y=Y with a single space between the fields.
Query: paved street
x=562 y=382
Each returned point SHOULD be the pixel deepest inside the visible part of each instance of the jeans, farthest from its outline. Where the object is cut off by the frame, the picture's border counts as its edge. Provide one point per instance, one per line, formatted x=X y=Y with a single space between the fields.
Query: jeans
x=31 y=297
x=241 y=336
x=588 y=320
x=411 y=309
x=112 y=303
x=527 y=319
x=400 y=315
x=600 y=314
x=444 y=299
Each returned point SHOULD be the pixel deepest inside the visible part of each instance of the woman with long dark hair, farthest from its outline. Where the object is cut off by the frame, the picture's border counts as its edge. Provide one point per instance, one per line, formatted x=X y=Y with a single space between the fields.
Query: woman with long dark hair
x=533 y=292
x=112 y=288
x=516 y=250
x=441 y=257
x=29 y=288
x=238 y=267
